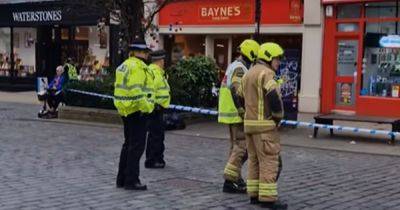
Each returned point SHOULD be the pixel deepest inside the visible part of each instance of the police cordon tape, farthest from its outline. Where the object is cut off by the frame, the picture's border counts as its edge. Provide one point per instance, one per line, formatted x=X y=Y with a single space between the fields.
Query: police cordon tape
x=283 y=122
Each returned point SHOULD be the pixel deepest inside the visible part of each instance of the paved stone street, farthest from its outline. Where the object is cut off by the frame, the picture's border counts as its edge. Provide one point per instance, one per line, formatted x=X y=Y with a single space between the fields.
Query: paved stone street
x=56 y=165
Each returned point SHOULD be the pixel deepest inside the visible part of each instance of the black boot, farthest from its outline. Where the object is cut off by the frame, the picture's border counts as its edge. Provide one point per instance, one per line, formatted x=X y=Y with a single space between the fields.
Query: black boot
x=136 y=186
x=254 y=200
x=233 y=187
x=277 y=205
x=154 y=165
x=242 y=183
x=120 y=184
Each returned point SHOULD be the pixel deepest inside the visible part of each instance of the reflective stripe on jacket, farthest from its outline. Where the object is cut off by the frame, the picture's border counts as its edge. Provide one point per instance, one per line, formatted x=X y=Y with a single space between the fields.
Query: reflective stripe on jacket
x=133 y=88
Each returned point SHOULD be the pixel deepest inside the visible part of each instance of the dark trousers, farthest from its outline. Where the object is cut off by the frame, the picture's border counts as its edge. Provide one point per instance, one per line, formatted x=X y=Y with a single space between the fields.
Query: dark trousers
x=54 y=100
x=155 y=140
x=132 y=149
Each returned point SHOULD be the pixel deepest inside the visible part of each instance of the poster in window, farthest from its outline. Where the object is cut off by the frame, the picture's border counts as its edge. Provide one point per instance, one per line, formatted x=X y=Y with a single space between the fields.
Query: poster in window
x=345 y=93
x=103 y=39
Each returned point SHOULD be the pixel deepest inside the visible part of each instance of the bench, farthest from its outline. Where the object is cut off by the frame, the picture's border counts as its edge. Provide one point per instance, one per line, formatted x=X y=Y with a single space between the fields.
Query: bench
x=328 y=119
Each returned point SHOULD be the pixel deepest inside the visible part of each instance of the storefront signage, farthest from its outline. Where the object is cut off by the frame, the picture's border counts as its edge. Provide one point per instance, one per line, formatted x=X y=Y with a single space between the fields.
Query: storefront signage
x=37 y=16
x=230 y=12
x=47 y=13
x=208 y=12
x=219 y=13
x=224 y=13
x=391 y=41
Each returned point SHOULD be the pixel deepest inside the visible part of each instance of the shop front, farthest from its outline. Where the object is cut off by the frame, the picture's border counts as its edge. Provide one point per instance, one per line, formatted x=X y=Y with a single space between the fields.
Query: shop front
x=361 y=65
x=37 y=37
x=216 y=29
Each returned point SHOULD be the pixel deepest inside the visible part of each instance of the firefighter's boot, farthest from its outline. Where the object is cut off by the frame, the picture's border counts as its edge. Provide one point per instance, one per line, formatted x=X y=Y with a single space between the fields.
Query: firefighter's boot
x=233 y=187
x=277 y=205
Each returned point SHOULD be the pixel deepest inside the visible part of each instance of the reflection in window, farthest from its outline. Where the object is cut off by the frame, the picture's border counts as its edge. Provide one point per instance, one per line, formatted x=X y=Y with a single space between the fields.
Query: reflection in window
x=347 y=27
x=381 y=27
x=381 y=9
x=349 y=11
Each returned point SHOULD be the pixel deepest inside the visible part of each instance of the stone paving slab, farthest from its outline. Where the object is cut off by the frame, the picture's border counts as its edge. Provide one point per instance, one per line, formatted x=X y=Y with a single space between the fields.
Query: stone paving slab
x=47 y=165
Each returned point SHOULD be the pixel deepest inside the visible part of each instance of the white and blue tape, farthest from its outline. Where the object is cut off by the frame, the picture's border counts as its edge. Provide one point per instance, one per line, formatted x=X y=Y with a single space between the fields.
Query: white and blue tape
x=283 y=122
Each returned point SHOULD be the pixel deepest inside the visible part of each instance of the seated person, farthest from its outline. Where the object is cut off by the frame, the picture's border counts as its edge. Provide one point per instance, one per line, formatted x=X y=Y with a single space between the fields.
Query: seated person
x=54 y=92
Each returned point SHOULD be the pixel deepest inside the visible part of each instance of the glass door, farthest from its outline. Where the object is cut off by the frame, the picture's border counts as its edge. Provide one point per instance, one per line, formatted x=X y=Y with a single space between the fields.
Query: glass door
x=346 y=73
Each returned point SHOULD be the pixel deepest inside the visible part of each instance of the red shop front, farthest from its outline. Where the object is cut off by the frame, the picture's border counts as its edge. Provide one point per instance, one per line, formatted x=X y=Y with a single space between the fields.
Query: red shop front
x=216 y=28
x=361 y=57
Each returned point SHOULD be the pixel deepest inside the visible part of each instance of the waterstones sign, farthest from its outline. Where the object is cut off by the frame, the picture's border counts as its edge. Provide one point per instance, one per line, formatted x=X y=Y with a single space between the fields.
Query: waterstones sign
x=37 y=16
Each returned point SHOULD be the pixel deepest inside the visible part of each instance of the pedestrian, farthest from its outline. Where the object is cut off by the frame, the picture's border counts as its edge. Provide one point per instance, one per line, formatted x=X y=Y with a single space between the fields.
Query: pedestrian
x=231 y=113
x=156 y=128
x=133 y=98
x=264 y=111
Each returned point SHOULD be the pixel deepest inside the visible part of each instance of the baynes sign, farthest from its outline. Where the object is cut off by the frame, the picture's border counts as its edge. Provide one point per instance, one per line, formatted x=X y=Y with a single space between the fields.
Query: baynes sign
x=225 y=13
x=220 y=12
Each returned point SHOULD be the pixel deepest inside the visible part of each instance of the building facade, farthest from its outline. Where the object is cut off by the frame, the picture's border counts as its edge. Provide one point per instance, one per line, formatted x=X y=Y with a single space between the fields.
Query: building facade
x=37 y=36
x=216 y=28
x=361 y=57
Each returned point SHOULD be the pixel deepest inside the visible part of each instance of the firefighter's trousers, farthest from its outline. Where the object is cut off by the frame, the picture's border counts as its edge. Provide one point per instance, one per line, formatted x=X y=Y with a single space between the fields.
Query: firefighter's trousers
x=237 y=153
x=263 y=150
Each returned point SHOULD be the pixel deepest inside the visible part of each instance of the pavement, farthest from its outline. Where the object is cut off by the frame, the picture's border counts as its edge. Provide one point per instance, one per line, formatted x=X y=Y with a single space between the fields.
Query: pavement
x=72 y=165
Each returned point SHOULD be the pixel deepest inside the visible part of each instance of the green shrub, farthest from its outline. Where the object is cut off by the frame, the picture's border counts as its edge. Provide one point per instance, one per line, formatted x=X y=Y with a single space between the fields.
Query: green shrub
x=105 y=87
x=191 y=82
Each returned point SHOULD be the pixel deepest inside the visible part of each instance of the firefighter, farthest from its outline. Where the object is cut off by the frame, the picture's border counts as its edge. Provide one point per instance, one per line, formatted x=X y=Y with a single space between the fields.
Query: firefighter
x=231 y=112
x=134 y=100
x=155 y=141
x=264 y=111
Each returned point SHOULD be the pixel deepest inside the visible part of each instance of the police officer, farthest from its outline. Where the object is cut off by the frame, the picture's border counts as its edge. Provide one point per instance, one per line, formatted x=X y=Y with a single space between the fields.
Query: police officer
x=155 y=140
x=70 y=69
x=264 y=110
x=133 y=98
x=231 y=112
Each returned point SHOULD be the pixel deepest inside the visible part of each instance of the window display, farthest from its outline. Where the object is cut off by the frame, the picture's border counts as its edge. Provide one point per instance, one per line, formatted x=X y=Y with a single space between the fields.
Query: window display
x=381 y=60
x=5 y=64
x=381 y=67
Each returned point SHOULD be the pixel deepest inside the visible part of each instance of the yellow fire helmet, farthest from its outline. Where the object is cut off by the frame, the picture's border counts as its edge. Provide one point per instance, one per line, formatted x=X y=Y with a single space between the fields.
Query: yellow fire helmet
x=269 y=50
x=249 y=48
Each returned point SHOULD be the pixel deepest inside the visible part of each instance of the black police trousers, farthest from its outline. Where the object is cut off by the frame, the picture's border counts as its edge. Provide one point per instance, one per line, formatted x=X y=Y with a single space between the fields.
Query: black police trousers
x=156 y=135
x=132 y=149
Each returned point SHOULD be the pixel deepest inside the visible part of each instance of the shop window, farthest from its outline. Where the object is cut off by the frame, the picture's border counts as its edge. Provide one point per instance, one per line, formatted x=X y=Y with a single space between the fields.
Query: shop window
x=349 y=11
x=24 y=52
x=89 y=50
x=381 y=60
x=187 y=46
x=347 y=27
x=5 y=63
x=381 y=27
x=347 y=57
x=380 y=9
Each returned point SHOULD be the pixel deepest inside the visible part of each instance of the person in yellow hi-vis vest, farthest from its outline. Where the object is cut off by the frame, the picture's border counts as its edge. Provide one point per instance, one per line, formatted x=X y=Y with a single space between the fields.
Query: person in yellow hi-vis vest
x=230 y=112
x=156 y=129
x=72 y=73
x=134 y=100
x=264 y=111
